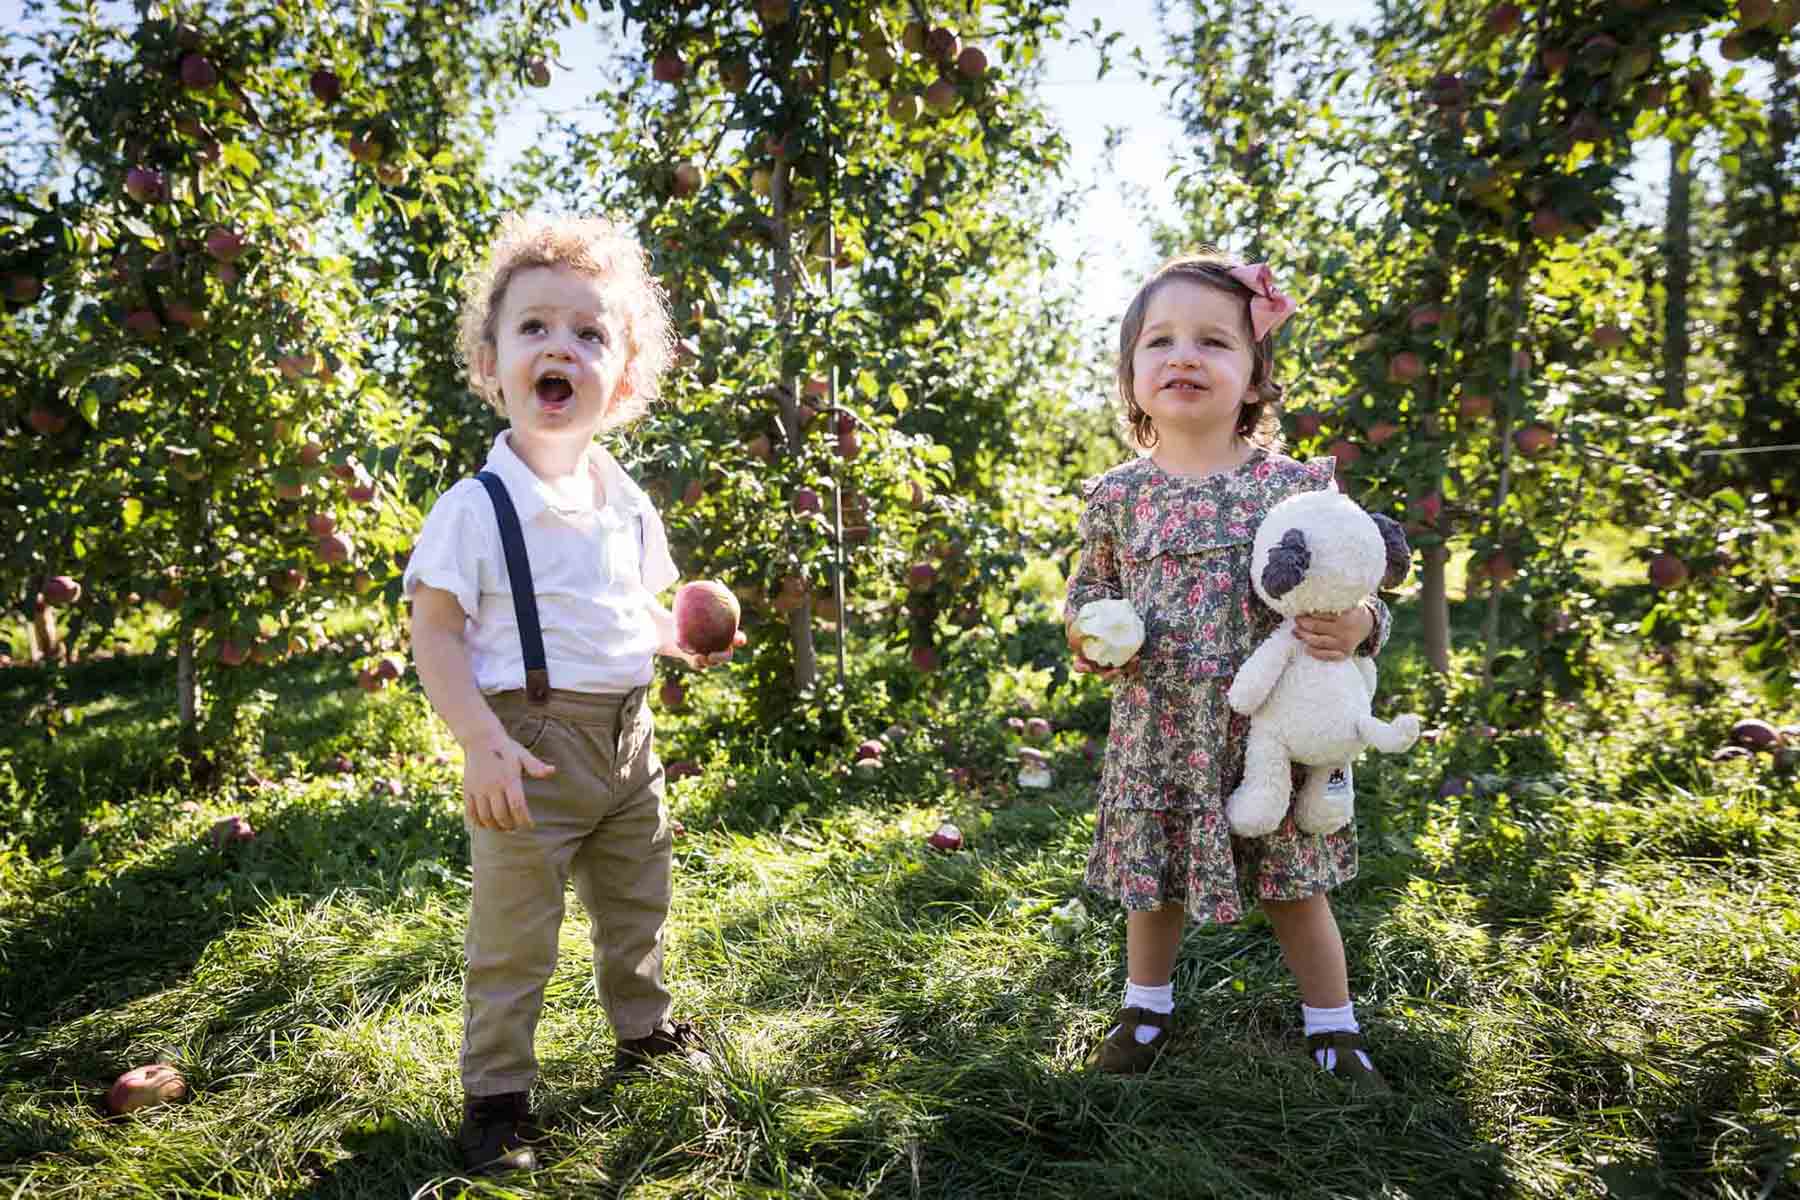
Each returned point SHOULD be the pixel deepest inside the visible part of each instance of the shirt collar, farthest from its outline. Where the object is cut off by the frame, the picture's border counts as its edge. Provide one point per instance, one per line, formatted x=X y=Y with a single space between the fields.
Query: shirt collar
x=531 y=495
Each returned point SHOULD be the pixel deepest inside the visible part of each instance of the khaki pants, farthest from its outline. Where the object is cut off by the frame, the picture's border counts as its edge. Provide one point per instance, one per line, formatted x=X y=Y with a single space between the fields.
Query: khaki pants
x=599 y=820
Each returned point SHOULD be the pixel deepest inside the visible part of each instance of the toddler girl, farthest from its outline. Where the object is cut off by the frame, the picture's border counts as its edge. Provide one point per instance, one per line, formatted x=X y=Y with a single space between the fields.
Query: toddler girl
x=1171 y=532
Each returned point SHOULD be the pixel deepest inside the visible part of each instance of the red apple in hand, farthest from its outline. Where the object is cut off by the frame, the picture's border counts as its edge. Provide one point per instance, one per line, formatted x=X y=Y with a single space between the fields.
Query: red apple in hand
x=60 y=590
x=706 y=617
x=143 y=1087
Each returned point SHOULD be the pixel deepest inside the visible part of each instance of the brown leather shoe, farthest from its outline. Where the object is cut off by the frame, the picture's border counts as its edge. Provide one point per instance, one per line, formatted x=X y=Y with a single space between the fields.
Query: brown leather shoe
x=496 y=1134
x=671 y=1037
x=1347 y=1064
x=1121 y=1053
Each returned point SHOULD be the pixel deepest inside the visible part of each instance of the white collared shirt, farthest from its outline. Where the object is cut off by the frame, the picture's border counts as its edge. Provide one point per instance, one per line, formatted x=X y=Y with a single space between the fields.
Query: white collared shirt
x=599 y=558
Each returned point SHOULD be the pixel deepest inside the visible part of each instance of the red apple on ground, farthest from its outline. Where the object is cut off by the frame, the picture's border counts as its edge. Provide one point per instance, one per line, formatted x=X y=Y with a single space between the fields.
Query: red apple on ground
x=870 y=748
x=946 y=837
x=231 y=829
x=706 y=616
x=1755 y=734
x=1667 y=571
x=145 y=1087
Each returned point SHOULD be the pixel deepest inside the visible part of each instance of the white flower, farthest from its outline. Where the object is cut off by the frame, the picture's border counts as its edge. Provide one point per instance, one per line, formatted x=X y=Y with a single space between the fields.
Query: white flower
x=1109 y=631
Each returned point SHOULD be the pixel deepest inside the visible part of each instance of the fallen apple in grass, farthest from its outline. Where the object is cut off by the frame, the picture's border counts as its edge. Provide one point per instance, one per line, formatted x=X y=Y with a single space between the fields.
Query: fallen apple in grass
x=229 y=830
x=1755 y=734
x=870 y=748
x=706 y=617
x=1109 y=632
x=146 y=1087
x=946 y=837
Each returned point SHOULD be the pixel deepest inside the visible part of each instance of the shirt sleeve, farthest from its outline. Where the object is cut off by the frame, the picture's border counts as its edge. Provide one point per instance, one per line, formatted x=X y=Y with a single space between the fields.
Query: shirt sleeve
x=656 y=567
x=1384 y=625
x=1096 y=576
x=448 y=553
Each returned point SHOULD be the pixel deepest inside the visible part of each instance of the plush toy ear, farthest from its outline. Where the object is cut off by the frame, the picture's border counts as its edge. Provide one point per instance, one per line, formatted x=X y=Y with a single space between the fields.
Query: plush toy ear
x=1287 y=564
x=1399 y=554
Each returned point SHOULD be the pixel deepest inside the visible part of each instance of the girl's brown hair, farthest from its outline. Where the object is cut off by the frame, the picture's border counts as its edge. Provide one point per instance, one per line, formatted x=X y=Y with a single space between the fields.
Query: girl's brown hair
x=1258 y=420
x=593 y=246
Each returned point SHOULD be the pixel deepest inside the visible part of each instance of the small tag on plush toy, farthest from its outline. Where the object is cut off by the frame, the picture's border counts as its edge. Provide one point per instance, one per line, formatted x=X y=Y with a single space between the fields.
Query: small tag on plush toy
x=1339 y=789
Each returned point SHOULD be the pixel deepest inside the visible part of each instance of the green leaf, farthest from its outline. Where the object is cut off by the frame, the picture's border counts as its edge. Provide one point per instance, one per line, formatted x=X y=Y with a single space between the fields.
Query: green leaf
x=897 y=397
x=237 y=156
x=90 y=408
x=132 y=510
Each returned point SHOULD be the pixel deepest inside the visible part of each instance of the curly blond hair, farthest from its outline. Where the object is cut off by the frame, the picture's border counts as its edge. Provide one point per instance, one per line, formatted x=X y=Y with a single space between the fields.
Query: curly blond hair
x=593 y=246
x=1258 y=422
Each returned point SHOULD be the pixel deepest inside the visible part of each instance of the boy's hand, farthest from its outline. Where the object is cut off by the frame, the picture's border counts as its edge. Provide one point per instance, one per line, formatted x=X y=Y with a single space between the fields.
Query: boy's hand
x=492 y=791
x=1086 y=666
x=1333 y=637
x=700 y=662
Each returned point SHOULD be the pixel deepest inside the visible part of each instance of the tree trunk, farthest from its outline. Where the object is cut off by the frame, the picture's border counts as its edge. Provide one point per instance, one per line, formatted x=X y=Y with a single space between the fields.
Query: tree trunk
x=1490 y=629
x=1434 y=606
x=800 y=629
x=187 y=691
x=1678 y=253
x=45 y=646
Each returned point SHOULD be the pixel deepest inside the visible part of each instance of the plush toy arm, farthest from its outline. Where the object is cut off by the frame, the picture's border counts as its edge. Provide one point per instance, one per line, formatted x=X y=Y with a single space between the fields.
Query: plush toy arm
x=1262 y=670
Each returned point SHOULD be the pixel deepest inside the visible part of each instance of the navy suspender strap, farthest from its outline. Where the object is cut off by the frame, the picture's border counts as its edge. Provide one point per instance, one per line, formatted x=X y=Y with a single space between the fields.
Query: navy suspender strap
x=518 y=573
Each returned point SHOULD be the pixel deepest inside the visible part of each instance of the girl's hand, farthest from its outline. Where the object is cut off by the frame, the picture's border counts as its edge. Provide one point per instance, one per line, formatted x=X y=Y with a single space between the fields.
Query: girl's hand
x=493 y=795
x=701 y=662
x=1333 y=637
x=1086 y=666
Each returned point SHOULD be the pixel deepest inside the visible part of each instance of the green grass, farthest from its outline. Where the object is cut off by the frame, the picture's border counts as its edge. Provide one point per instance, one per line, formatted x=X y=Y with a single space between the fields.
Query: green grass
x=1584 y=979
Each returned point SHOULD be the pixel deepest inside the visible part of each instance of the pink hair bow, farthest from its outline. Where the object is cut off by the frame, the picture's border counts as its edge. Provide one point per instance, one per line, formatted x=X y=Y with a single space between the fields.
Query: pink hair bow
x=1270 y=306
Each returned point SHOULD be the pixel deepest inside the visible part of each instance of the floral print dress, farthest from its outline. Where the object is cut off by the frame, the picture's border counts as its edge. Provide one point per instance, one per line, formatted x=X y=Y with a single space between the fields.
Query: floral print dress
x=1179 y=549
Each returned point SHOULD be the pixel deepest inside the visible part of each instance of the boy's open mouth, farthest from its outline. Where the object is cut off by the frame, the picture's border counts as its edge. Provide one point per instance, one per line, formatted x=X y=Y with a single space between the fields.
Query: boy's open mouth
x=1181 y=385
x=554 y=390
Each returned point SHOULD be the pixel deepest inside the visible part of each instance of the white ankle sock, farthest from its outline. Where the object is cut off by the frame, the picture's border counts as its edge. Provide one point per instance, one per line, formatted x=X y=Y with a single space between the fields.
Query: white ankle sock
x=1332 y=1020
x=1152 y=999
